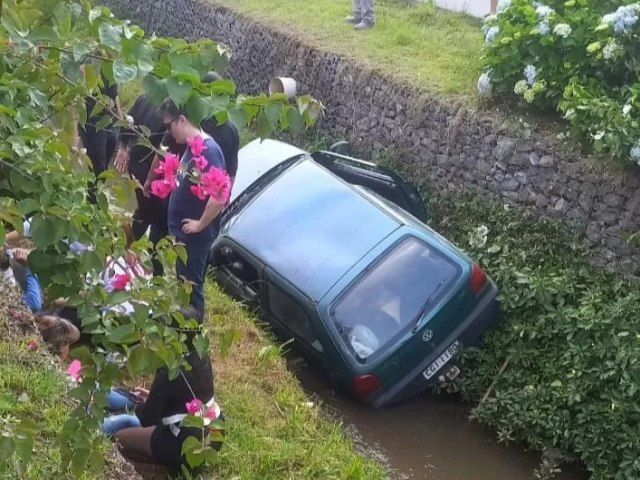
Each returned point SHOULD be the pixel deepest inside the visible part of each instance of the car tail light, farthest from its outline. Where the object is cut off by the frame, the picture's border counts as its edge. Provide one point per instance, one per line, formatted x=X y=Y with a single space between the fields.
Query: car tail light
x=478 y=279
x=364 y=385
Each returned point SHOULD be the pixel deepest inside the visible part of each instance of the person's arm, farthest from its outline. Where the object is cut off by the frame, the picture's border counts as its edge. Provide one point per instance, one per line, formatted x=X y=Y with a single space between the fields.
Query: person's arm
x=151 y=411
x=32 y=294
x=211 y=211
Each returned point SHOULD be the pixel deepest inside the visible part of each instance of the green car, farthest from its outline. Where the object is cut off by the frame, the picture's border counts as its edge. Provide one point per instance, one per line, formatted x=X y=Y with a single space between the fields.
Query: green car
x=335 y=253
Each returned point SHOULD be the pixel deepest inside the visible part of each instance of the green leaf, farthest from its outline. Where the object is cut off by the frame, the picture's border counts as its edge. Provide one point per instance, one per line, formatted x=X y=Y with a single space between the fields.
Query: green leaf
x=179 y=91
x=44 y=33
x=80 y=50
x=264 y=127
x=272 y=112
x=104 y=122
x=296 y=122
x=28 y=205
x=192 y=421
x=7 y=447
x=201 y=344
x=110 y=35
x=142 y=359
x=95 y=13
x=124 y=334
x=45 y=231
x=197 y=109
x=79 y=461
x=155 y=89
x=23 y=442
x=123 y=72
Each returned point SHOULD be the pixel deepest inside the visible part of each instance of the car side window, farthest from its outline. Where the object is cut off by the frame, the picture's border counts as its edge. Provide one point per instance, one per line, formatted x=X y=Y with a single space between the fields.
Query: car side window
x=293 y=316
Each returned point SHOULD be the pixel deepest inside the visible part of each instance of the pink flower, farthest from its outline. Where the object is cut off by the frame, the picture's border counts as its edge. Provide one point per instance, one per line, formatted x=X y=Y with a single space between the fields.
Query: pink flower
x=211 y=414
x=120 y=281
x=194 y=406
x=169 y=166
x=74 y=370
x=198 y=191
x=196 y=145
x=201 y=163
x=163 y=188
x=216 y=183
x=32 y=345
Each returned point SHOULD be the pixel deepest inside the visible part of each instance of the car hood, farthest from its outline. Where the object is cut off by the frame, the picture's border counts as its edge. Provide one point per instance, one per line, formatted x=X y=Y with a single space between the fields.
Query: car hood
x=258 y=157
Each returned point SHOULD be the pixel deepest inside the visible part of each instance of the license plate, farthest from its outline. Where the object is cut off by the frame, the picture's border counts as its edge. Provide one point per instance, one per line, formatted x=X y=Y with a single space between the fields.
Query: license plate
x=442 y=360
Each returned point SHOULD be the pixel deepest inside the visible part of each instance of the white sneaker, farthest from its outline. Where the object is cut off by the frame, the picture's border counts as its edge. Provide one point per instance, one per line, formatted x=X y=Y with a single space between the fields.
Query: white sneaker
x=352 y=19
x=364 y=25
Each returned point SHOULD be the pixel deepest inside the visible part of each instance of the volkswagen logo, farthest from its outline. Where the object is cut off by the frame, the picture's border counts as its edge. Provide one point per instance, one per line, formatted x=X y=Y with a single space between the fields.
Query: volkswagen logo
x=427 y=335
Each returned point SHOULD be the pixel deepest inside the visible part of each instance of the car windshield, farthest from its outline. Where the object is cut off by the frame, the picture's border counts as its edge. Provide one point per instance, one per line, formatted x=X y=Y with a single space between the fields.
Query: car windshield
x=390 y=296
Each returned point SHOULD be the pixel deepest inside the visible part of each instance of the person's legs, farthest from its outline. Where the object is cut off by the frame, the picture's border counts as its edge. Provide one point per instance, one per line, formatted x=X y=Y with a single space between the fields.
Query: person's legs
x=117 y=401
x=115 y=423
x=159 y=230
x=194 y=270
x=356 y=13
x=135 y=443
x=96 y=145
x=367 y=18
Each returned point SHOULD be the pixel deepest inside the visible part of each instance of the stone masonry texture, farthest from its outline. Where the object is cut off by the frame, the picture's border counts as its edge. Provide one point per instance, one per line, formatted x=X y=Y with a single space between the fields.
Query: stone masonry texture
x=456 y=148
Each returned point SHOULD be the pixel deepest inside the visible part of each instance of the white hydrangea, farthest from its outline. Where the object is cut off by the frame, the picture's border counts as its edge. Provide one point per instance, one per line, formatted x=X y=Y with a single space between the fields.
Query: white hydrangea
x=634 y=154
x=520 y=87
x=610 y=49
x=492 y=33
x=562 y=30
x=478 y=238
x=503 y=5
x=626 y=109
x=543 y=11
x=530 y=74
x=484 y=84
x=543 y=28
x=623 y=18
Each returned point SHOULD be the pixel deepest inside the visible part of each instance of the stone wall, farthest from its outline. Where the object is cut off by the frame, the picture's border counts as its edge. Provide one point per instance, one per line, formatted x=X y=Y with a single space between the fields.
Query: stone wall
x=457 y=148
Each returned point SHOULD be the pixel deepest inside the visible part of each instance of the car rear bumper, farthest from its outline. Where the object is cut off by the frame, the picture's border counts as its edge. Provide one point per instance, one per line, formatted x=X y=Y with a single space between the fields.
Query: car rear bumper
x=468 y=333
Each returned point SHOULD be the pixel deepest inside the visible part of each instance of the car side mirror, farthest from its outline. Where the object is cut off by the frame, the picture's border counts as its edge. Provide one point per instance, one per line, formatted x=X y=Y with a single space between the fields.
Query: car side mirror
x=341 y=148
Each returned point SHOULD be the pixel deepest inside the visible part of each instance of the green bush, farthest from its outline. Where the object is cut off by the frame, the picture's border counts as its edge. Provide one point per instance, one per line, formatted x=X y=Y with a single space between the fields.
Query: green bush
x=579 y=57
x=571 y=334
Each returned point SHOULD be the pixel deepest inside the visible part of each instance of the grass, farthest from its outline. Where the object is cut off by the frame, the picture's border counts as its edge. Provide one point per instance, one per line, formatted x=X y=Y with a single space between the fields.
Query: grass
x=273 y=432
x=425 y=46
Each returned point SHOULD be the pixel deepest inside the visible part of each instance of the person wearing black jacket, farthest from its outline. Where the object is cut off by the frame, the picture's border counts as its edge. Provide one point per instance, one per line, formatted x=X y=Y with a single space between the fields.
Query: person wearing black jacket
x=100 y=144
x=154 y=434
x=151 y=211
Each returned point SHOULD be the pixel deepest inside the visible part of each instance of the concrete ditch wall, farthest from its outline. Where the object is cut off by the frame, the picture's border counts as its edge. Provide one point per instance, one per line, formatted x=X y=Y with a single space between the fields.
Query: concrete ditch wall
x=457 y=148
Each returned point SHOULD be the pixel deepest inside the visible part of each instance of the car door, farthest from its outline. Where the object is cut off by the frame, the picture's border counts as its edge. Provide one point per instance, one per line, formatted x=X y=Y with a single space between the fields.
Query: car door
x=374 y=177
x=291 y=315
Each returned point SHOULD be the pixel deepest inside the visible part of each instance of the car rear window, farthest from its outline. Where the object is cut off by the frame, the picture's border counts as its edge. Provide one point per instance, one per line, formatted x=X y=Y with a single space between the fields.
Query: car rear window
x=387 y=300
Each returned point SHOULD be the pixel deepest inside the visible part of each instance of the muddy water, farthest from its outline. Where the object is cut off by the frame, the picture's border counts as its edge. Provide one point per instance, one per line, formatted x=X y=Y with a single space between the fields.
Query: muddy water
x=428 y=438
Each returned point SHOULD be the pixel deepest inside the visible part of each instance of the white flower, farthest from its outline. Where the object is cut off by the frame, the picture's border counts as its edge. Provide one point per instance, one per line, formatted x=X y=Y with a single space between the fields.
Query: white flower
x=530 y=74
x=626 y=109
x=543 y=28
x=623 y=18
x=543 y=11
x=635 y=152
x=520 y=87
x=503 y=5
x=478 y=238
x=610 y=49
x=492 y=33
x=484 y=84
x=562 y=30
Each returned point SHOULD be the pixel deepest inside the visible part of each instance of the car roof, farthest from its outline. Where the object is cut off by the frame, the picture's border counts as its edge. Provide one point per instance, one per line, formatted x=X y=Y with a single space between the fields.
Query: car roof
x=310 y=227
x=256 y=158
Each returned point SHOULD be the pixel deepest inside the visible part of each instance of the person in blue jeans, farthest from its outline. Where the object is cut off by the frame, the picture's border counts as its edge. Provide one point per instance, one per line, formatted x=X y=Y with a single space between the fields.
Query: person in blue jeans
x=192 y=221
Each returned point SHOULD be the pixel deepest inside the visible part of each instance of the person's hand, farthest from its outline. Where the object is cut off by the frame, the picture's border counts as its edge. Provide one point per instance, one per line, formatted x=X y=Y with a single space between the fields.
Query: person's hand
x=190 y=225
x=122 y=160
x=141 y=393
x=20 y=255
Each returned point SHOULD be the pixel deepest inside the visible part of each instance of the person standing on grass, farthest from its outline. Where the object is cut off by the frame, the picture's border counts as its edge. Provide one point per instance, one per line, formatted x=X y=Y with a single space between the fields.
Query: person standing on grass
x=193 y=220
x=363 y=16
x=151 y=211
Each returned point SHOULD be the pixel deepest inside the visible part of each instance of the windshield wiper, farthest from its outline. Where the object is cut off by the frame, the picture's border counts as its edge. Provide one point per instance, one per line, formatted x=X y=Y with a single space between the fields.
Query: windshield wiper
x=426 y=306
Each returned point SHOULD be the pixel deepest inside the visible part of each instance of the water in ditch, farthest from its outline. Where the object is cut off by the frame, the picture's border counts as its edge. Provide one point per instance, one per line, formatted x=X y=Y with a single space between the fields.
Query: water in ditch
x=428 y=438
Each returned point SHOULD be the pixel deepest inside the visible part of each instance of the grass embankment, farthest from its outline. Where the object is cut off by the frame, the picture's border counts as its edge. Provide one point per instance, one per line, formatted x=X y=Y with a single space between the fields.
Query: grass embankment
x=273 y=432
x=32 y=389
x=425 y=46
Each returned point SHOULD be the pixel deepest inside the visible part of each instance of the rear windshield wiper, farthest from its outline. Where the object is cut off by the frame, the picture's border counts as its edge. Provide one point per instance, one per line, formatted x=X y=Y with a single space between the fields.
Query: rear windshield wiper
x=426 y=305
